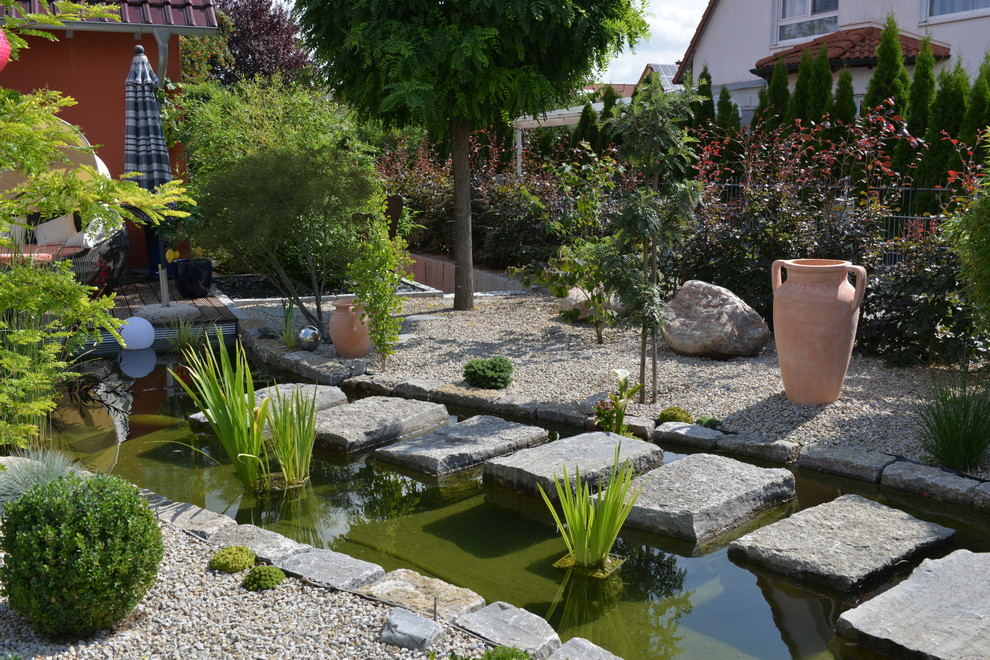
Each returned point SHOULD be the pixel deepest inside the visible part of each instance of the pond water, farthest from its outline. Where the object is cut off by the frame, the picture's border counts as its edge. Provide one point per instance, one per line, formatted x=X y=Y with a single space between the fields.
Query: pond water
x=664 y=602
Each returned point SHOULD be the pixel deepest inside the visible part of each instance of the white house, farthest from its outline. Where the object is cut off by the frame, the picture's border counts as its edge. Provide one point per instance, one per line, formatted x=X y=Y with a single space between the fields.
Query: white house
x=740 y=40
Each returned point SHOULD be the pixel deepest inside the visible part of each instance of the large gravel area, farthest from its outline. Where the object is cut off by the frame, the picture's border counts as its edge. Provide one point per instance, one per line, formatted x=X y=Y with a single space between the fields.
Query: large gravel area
x=558 y=361
x=195 y=613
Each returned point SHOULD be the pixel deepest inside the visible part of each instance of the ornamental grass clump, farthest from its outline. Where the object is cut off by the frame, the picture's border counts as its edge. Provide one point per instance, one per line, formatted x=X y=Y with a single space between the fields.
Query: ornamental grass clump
x=79 y=554
x=593 y=524
x=954 y=420
x=292 y=422
x=224 y=392
x=40 y=466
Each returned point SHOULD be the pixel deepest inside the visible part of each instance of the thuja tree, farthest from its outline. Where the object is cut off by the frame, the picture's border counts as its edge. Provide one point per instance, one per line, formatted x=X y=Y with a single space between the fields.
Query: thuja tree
x=920 y=99
x=820 y=89
x=728 y=118
x=704 y=109
x=844 y=104
x=890 y=78
x=463 y=65
x=799 y=103
x=778 y=98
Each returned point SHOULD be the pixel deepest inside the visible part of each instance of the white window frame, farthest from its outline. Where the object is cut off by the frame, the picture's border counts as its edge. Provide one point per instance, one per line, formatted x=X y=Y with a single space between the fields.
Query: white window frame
x=928 y=17
x=778 y=22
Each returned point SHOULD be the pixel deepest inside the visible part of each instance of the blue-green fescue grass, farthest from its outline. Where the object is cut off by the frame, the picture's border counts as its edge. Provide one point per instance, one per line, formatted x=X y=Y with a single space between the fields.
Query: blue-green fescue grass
x=593 y=523
x=224 y=392
x=954 y=420
x=292 y=425
x=42 y=465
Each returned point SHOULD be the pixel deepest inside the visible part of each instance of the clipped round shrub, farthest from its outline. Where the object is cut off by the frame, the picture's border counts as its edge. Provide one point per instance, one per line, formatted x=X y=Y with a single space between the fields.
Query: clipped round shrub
x=491 y=374
x=80 y=554
x=675 y=414
x=232 y=559
x=709 y=422
x=260 y=578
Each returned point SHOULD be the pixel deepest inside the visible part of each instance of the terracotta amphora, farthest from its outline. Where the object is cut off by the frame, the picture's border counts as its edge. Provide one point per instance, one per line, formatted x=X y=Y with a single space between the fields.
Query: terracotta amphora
x=815 y=314
x=348 y=330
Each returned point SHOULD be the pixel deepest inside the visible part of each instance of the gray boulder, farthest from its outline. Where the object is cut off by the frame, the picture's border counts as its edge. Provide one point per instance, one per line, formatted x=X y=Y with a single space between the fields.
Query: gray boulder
x=705 y=320
x=410 y=631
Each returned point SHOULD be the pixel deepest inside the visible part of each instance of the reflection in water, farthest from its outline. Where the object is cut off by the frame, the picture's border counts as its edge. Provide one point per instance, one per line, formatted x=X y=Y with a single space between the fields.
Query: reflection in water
x=805 y=621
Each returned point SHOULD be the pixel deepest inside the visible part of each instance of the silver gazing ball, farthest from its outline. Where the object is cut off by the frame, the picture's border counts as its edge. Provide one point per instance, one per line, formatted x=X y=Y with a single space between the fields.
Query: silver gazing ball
x=308 y=338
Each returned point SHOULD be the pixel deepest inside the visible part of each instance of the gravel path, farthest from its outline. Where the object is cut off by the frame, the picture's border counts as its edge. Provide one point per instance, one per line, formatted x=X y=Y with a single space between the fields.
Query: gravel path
x=195 y=613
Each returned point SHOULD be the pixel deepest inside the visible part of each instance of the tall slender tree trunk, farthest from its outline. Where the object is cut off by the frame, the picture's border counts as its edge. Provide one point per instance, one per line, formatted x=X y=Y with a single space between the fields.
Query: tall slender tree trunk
x=460 y=153
x=654 y=280
x=642 y=345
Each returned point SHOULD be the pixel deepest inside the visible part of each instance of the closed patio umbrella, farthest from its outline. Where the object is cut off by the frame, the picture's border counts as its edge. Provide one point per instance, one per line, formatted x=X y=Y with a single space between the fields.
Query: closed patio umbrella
x=144 y=141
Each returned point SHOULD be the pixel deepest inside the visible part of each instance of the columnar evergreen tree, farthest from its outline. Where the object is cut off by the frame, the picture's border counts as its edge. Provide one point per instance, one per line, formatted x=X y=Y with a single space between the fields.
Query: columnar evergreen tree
x=586 y=129
x=977 y=116
x=797 y=108
x=820 y=89
x=948 y=111
x=778 y=96
x=890 y=78
x=844 y=106
x=920 y=98
x=606 y=137
x=728 y=118
x=705 y=111
x=463 y=65
x=761 y=108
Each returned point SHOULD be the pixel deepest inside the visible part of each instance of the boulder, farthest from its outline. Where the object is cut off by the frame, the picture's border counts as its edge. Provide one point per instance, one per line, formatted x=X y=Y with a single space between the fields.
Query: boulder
x=409 y=631
x=705 y=320
x=578 y=299
x=418 y=593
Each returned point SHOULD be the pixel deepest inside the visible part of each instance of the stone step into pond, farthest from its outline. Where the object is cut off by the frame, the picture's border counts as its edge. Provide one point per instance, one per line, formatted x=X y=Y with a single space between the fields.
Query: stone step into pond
x=842 y=545
x=375 y=421
x=703 y=496
x=462 y=445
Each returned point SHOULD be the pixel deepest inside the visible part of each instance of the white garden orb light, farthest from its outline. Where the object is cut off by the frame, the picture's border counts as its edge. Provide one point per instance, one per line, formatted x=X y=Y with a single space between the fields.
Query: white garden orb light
x=137 y=334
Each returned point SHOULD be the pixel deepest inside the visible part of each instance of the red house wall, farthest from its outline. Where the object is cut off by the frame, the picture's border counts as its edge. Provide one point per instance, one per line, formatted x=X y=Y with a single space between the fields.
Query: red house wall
x=91 y=68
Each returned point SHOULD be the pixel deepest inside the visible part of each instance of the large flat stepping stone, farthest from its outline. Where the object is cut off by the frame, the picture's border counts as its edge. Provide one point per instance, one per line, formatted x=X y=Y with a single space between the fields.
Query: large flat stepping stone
x=327 y=396
x=702 y=496
x=590 y=453
x=331 y=569
x=376 y=421
x=419 y=593
x=267 y=545
x=578 y=648
x=507 y=625
x=841 y=544
x=941 y=611
x=459 y=446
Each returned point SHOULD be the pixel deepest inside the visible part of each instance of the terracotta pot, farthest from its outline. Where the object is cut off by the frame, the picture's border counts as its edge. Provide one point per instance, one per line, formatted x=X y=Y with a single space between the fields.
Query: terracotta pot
x=815 y=314
x=348 y=331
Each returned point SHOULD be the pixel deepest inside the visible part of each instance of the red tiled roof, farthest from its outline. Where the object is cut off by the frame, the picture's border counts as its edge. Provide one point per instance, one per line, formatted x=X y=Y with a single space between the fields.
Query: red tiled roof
x=182 y=16
x=853 y=47
x=624 y=90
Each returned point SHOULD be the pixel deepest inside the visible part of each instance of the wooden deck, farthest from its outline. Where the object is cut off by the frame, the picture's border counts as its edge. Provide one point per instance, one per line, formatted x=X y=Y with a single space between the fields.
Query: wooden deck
x=134 y=295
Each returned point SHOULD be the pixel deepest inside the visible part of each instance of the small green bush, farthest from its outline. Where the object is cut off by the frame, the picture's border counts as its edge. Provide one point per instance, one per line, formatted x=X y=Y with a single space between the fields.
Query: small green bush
x=260 y=578
x=709 y=422
x=954 y=421
x=232 y=559
x=80 y=554
x=675 y=414
x=492 y=374
x=497 y=653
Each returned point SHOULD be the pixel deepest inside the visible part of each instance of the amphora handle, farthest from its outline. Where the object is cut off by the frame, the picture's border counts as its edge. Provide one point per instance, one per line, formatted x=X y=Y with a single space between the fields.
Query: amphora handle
x=860 y=273
x=775 y=274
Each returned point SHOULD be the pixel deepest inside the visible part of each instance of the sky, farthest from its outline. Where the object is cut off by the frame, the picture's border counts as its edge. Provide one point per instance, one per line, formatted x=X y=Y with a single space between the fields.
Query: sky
x=672 y=24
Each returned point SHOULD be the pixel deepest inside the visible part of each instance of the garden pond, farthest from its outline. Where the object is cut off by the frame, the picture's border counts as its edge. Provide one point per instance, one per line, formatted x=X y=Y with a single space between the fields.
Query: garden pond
x=667 y=600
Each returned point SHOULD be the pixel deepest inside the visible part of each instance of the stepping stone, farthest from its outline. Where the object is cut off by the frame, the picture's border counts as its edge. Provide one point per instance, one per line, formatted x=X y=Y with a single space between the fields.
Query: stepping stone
x=641 y=427
x=267 y=545
x=941 y=611
x=193 y=519
x=569 y=414
x=409 y=631
x=366 y=384
x=376 y=421
x=459 y=446
x=841 y=544
x=689 y=435
x=327 y=396
x=421 y=594
x=931 y=481
x=331 y=569
x=852 y=463
x=516 y=405
x=416 y=388
x=476 y=398
x=507 y=625
x=702 y=496
x=769 y=449
x=590 y=453
x=578 y=648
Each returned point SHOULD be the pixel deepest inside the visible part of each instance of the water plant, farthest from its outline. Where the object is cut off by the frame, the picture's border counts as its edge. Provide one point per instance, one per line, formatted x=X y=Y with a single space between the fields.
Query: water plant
x=224 y=392
x=610 y=413
x=261 y=578
x=232 y=559
x=288 y=332
x=41 y=465
x=593 y=524
x=80 y=554
x=954 y=420
x=493 y=374
x=292 y=422
x=186 y=335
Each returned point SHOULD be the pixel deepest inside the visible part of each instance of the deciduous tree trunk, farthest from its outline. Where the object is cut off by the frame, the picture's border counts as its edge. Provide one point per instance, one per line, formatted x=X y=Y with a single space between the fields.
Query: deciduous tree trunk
x=460 y=152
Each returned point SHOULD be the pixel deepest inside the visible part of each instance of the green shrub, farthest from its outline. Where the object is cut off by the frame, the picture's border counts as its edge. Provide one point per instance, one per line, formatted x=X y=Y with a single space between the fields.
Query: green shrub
x=709 y=422
x=675 y=414
x=497 y=653
x=232 y=559
x=80 y=554
x=40 y=466
x=954 y=420
x=260 y=578
x=492 y=374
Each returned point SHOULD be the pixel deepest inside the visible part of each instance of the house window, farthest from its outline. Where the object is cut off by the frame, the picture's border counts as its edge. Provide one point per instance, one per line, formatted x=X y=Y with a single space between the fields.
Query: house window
x=940 y=7
x=810 y=18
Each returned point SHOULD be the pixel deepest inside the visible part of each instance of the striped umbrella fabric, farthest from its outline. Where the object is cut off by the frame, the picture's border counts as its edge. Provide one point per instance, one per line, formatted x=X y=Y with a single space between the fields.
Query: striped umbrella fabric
x=144 y=143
